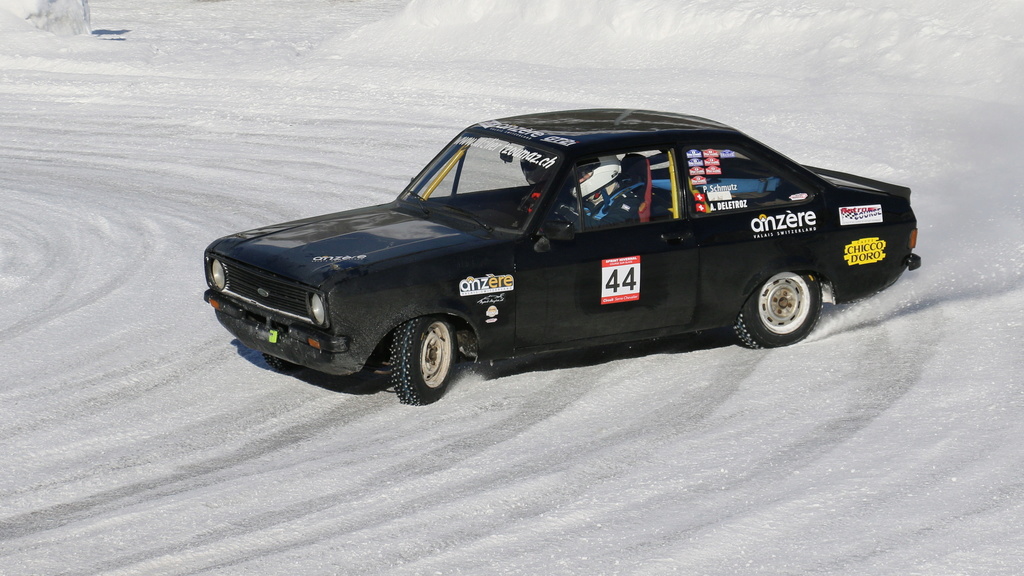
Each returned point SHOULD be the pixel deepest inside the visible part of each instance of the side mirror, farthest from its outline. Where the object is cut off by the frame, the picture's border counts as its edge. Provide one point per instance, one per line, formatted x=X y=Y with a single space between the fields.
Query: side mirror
x=553 y=230
x=558 y=230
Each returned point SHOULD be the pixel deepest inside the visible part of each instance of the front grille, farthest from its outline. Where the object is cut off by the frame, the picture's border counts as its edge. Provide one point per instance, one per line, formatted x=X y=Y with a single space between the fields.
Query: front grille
x=266 y=290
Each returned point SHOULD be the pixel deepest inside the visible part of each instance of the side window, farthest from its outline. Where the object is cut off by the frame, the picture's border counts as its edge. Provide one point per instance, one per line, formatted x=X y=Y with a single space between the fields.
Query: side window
x=567 y=204
x=618 y=189
x=723 y=180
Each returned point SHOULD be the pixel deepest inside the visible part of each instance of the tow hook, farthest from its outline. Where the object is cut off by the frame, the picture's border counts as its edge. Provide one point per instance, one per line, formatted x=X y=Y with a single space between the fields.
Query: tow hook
x=912 y=261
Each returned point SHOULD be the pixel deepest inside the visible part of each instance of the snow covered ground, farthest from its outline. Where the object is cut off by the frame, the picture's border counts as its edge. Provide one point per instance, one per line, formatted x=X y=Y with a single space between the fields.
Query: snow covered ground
x=135 y=438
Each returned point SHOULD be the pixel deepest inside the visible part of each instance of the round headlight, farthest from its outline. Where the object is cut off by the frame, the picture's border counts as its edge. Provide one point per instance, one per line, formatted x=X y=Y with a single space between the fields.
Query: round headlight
x=317 y=309
x=217 y=275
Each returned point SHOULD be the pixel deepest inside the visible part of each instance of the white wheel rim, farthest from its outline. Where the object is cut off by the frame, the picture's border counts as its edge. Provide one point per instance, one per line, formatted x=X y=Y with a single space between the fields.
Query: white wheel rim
x=435 y=354
x=783 y=303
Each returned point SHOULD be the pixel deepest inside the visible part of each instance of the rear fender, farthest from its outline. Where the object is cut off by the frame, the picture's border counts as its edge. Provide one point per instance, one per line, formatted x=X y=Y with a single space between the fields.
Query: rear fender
x=796 y=266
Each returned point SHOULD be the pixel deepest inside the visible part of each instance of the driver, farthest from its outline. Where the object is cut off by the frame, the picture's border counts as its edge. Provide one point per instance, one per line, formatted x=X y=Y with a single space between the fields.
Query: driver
x=599 y=174
x=605 y=199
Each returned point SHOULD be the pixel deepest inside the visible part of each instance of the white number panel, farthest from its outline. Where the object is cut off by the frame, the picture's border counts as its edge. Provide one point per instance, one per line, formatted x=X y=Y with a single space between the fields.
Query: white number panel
x=620 y=280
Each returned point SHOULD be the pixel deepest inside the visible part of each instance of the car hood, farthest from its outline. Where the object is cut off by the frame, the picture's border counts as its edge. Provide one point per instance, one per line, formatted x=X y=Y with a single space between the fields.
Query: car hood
x=313 y=249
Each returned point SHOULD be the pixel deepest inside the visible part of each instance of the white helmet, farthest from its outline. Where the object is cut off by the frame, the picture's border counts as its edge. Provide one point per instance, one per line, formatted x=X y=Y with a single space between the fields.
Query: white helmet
x=598 y=173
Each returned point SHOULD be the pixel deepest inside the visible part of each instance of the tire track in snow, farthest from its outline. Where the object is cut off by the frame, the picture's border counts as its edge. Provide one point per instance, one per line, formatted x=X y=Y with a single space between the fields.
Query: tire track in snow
x=442 y=477
x=306 y=418
x=554 y=482
x=73 y=270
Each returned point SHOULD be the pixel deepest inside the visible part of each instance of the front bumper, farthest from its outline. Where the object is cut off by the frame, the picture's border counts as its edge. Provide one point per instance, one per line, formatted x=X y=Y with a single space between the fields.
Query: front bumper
x=284 y=339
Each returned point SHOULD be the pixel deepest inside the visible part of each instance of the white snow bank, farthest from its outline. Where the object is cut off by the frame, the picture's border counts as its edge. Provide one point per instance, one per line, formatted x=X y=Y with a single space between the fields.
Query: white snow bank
x=871 y=42
x=64 y=17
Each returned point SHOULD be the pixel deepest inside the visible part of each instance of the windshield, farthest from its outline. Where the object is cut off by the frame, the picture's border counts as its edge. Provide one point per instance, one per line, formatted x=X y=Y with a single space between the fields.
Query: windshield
x=493 y=181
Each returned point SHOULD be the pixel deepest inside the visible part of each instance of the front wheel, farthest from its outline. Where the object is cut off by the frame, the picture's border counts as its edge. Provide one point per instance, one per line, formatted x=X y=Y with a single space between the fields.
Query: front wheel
x=782 y=311
x=423 y=354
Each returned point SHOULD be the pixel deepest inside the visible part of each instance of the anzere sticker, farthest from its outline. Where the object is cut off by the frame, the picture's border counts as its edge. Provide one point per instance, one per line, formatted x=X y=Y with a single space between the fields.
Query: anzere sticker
x=489 y=284
x=620 y=280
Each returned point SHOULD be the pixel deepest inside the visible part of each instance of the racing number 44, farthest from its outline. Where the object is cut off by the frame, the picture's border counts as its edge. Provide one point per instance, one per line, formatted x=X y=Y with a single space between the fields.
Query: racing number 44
x=620 y=280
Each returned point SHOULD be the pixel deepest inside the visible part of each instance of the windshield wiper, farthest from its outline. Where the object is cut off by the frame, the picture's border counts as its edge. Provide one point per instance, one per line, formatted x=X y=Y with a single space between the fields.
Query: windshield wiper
x=421 y=203
x=468 y=214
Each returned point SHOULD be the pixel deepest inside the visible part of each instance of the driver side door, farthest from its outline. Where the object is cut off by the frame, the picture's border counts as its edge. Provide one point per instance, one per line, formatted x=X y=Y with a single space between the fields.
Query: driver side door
x=627 y=270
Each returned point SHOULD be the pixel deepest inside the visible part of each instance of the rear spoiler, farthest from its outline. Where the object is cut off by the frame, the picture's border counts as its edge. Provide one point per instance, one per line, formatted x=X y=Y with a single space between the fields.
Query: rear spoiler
x=844 y=179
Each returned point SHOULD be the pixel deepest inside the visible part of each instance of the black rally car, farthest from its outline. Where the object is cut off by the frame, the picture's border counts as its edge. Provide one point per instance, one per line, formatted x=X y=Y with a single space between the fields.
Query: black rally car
x=561 y=230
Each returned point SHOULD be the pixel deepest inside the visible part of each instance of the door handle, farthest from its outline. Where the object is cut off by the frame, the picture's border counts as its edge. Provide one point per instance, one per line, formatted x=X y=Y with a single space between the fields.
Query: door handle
x=675 y=237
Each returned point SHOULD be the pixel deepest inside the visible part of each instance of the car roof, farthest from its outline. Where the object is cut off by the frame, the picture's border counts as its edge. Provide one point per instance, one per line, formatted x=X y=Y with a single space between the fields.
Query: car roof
x=597 y=127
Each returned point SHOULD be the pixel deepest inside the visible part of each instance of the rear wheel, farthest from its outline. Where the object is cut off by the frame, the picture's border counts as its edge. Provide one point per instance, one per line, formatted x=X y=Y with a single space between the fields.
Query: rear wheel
x=423 y=354
x=783 y=311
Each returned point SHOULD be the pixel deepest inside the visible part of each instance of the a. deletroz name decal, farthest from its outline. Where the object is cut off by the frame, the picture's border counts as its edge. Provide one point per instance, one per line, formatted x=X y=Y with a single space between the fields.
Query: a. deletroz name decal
x=488 y=284
x=852 y=215
x=728 y=205
x=620 y=280
x=767 y=226
x=864 y=251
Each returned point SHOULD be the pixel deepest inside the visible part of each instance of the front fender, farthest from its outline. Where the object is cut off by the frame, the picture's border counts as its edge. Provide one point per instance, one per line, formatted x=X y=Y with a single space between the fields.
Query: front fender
x=491 y=320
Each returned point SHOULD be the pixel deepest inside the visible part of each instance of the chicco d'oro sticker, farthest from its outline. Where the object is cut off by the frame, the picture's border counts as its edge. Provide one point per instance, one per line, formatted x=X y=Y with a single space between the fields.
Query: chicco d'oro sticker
x=864 y=251
x=620 y=280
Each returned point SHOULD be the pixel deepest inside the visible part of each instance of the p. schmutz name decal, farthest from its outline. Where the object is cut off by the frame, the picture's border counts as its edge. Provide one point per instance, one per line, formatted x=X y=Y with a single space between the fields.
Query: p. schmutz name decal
x=489 y=284
x=789 y=222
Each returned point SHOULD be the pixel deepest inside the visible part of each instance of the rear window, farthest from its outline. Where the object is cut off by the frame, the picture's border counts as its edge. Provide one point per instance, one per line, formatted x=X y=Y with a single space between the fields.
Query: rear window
x=723 y=180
